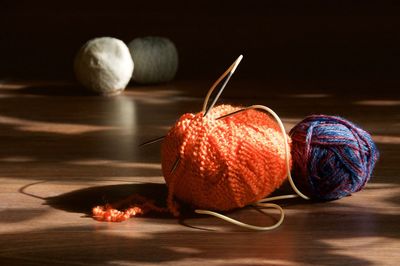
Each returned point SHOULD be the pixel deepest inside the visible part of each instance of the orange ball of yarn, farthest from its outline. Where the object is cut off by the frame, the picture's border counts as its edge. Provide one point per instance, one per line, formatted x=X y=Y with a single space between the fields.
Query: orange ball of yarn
x=224 y=163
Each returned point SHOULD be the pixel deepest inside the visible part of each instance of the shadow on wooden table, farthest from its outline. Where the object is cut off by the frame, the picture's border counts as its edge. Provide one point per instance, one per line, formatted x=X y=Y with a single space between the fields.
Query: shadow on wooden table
x=83 y=200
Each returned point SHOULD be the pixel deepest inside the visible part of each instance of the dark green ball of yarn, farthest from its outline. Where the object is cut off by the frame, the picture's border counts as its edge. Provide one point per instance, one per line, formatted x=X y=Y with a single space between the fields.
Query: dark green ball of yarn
x=155 y=59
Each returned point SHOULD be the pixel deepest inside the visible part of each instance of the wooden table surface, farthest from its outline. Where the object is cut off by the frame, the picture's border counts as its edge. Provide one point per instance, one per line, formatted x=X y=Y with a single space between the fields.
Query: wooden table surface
x=62 y=151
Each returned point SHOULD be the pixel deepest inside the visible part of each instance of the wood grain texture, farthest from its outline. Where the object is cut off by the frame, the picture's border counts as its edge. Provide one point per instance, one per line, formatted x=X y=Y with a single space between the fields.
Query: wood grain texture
x=63 y=151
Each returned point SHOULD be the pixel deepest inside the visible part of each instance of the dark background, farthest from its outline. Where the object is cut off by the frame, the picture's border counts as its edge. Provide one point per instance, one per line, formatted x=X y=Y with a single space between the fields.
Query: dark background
x=287 y=40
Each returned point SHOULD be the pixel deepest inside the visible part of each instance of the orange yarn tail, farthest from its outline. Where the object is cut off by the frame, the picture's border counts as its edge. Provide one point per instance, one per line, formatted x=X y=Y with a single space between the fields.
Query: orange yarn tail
x=138 y=206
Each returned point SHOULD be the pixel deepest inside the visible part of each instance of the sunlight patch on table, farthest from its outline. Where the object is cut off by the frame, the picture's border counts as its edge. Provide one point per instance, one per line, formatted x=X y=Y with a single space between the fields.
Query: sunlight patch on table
x=120 y=164
x=382 y=139
x=346 y=247
x=192 y=261
x=49 y=127
x=378 y=102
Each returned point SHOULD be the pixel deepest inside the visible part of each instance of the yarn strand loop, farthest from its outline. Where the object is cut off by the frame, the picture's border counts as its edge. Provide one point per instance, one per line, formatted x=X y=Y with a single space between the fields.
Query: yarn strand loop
x=245 y=225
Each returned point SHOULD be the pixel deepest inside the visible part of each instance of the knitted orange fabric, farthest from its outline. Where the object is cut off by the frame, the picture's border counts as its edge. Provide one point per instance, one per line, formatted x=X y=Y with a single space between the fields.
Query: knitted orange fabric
x=226 y=163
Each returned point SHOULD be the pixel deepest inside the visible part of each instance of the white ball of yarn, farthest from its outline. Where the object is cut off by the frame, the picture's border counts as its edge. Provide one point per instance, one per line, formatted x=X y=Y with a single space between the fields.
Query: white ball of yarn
x=155 y=58
x=104 y=65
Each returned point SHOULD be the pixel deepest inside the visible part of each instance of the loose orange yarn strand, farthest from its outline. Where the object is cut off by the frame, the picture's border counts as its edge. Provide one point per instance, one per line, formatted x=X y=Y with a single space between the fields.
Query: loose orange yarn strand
x=110 y=212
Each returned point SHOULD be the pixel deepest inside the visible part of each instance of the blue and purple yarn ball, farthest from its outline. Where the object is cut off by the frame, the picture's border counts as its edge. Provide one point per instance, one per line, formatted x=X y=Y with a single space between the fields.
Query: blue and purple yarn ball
x=332 y=157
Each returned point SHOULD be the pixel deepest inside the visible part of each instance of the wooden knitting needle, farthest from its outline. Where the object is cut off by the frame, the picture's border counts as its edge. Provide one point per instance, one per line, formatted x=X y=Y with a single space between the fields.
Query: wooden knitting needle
x=151 y=141
x=206 y=109
x=228 y=72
